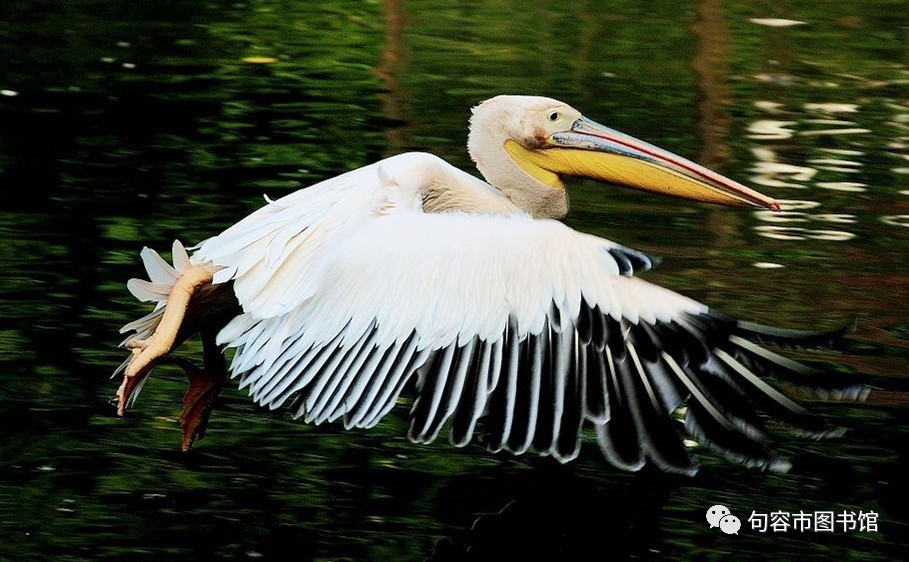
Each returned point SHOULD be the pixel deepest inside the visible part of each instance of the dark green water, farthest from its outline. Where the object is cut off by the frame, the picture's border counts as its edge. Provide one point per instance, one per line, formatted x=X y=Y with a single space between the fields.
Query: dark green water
x=131 y=123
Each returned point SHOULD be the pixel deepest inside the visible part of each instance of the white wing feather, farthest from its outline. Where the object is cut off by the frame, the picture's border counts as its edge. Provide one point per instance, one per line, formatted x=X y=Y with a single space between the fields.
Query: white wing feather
x=349 y=289
x=351 y=272
x=277 y=254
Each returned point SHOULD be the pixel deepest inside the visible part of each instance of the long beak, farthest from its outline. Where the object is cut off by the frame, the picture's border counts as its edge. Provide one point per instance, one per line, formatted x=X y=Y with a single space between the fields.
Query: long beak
x=594 y=151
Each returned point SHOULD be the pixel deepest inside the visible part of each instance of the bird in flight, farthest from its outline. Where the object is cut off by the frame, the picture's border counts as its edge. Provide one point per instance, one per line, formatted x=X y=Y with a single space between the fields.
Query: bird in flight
x=512 y=328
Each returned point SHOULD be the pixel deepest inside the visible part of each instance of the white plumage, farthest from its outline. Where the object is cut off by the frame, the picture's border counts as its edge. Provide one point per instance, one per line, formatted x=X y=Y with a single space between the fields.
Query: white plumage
x=510 y=320
x=373 y=262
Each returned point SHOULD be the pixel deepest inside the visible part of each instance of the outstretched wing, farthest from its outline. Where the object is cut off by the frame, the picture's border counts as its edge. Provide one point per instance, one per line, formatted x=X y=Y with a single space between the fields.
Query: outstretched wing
x=519 y=330
x=277 y=255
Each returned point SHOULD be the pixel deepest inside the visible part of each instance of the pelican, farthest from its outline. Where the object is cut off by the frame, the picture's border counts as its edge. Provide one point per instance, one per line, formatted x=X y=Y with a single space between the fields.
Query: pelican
x=518 y=331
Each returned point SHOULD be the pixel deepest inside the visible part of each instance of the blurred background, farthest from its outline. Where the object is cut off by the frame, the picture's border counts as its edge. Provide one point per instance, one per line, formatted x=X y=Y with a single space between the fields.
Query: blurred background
x=125 y=124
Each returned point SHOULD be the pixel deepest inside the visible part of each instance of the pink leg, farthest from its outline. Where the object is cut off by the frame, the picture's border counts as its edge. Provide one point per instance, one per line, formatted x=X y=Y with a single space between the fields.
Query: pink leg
x=204 y=386
x=146 y=352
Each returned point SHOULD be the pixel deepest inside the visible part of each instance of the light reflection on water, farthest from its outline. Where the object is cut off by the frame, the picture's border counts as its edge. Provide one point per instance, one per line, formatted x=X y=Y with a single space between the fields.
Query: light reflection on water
x=780 y=163
x=120 y=128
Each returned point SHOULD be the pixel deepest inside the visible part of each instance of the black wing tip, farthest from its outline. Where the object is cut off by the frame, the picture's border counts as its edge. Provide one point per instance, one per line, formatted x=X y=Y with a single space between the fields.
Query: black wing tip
x=790 y=337
x=629 y=261
x=690 y=470
x=849 y=393
x=745 y=361
x=826 y=432
x=736 y=448
x=785 y=337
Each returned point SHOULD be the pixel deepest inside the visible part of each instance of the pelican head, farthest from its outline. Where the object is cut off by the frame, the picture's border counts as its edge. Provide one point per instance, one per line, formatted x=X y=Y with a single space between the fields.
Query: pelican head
x=523 y=145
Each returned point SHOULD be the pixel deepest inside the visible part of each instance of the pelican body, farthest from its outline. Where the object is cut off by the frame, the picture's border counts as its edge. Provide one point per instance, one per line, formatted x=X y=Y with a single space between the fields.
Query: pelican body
x=517 y=331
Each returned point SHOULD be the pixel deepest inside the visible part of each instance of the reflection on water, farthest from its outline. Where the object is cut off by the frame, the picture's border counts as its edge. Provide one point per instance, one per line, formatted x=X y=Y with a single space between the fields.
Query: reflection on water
x=830 y=168
x=130 y=124
x=896 y=220
x=776 y=22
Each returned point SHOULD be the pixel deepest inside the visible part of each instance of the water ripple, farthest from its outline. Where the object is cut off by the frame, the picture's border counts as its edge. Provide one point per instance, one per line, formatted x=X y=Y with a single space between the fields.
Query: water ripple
x=896 y=220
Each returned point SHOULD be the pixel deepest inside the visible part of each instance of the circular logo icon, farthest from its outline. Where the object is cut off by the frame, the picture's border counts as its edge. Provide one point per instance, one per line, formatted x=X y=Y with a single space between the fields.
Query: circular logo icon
x=715 y=513
x=730 y=524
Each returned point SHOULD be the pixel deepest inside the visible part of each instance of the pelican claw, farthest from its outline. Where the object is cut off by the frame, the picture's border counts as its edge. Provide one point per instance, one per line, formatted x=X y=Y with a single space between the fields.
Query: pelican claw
x=146 y=352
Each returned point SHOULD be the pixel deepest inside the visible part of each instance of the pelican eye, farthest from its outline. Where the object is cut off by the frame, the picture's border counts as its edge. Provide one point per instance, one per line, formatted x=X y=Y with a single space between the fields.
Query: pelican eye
x=554 y=116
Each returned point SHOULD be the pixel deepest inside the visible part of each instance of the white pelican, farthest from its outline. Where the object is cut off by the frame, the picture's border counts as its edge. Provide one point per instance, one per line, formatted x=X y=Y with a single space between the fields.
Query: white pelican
x=518 y=329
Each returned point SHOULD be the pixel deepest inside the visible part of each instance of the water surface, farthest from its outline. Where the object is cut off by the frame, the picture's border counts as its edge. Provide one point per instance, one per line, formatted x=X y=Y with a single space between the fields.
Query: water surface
x=131 y=124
